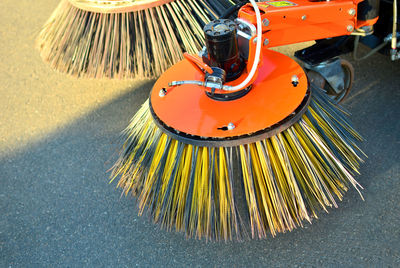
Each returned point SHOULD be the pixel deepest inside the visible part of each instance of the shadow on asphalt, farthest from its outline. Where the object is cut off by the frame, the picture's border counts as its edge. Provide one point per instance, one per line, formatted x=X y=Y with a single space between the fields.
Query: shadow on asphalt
x=57 y=207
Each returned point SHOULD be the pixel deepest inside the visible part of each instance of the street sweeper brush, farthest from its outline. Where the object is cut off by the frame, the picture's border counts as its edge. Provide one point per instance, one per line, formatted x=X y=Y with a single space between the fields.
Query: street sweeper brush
x=124 y=38
x=238 y=141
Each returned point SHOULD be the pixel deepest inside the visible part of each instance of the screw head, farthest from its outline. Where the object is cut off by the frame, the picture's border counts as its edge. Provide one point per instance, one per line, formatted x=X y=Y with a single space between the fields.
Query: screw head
x=255 y=40
x=162 y=93
x=265 y=22
x=350 y=28
x=231 y=126
x=352 y=11
x=304 y=17
x=266 y=42
x=295 y=80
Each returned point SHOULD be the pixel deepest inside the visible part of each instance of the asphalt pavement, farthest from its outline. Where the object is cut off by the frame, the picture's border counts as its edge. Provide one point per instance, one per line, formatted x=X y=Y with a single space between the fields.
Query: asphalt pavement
x=57 y=207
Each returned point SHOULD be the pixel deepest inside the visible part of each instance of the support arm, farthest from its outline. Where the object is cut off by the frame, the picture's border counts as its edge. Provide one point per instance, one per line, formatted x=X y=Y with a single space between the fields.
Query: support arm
x=288 y=22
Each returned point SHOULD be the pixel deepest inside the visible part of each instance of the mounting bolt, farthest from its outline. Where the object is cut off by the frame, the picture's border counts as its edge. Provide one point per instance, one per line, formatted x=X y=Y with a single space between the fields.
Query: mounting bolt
x=255 y=40
x=350 y=28
x=352 y=11
x=295 y=80
x=265 y=22
x=304 y=17
x=266 y=42
x=162 y=93
x=231 y=126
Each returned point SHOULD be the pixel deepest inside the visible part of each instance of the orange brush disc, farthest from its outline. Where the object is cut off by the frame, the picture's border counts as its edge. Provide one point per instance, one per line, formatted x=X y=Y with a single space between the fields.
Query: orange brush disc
x=272 y=103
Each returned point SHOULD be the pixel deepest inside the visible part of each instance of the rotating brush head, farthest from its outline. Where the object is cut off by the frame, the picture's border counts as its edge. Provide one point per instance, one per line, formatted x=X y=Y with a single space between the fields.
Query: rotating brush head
x=262 y=163
x=124 y=38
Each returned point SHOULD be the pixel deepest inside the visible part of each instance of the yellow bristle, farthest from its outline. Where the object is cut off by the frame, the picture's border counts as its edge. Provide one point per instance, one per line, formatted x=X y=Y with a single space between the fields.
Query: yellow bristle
x=283 y=180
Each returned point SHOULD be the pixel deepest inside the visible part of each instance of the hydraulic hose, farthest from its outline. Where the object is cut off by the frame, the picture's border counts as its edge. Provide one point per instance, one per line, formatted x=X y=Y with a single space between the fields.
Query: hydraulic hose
x=394 y=54
x=258 y=50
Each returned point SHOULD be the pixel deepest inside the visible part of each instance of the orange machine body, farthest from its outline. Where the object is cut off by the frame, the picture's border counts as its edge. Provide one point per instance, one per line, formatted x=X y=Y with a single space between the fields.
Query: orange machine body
x=272 y=98
x=289 y=22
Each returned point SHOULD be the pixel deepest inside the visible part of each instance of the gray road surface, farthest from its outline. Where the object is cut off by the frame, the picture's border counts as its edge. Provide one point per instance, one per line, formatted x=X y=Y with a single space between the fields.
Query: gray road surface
x=57 y=208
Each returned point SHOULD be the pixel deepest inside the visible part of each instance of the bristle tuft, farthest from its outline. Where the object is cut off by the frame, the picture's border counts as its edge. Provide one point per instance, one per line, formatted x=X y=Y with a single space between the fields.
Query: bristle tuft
x=284 y=180
x=123 y=45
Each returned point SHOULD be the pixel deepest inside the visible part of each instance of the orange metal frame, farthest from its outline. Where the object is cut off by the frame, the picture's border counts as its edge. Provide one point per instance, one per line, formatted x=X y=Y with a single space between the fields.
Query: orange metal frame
x=273 y=97
x=303 y=20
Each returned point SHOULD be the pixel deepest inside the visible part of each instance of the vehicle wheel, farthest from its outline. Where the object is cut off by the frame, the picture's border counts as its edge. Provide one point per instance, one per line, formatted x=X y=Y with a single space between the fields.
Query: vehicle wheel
x=320 y=81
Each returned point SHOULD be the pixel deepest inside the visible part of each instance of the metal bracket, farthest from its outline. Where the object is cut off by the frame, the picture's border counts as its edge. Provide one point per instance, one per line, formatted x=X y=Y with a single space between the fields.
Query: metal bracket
x=245 y=32
x=331 y=71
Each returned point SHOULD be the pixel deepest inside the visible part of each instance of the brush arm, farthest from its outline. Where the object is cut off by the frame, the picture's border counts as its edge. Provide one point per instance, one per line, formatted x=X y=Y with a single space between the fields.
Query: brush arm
x=295 y=21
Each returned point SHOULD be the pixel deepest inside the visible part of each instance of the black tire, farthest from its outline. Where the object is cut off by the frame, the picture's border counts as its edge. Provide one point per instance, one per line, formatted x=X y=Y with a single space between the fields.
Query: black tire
x=348 y=70
x=319 y=81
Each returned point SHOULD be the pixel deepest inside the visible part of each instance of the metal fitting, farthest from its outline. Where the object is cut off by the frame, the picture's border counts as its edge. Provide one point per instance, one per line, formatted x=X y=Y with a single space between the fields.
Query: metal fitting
x=162 y=93
x=389 y=37
x=265 y=22
x=231 y=126
x=352 y=11
x=266 y=42
x=394 y=54
x=350 y=28
x=304 y=17
x=295 y=80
